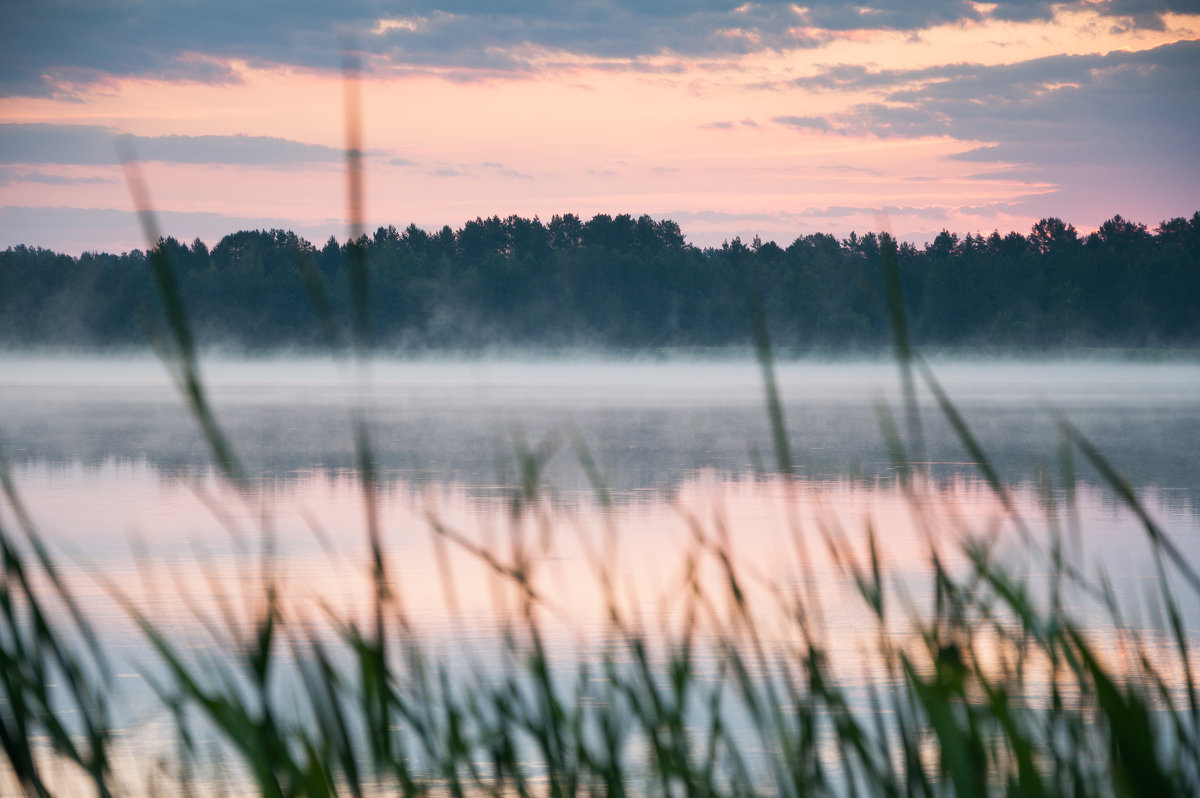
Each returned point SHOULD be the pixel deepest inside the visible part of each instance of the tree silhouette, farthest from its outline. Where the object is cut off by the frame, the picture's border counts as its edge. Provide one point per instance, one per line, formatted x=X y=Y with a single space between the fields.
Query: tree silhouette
x=626 y=282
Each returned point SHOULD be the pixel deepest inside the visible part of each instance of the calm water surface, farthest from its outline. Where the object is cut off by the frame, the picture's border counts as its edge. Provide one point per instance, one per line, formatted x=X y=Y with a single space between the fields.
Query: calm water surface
x=120 y=483
x=106 y=453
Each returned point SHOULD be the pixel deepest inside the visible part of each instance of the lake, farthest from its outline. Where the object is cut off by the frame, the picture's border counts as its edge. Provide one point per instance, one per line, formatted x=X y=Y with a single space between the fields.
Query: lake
x=637 y=462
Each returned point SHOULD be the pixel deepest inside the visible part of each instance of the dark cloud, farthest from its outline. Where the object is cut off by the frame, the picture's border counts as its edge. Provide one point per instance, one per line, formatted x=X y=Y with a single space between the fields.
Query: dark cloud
x=45 y=43
x=1142 y=13
x=57 y=144
x=94 y=145
x=1024 y=12
x=804 y=122
x=45 y=46
x=1101 y=129
x=1138 y=109
x=717 y=125
x=851 y=76
x=237 y=149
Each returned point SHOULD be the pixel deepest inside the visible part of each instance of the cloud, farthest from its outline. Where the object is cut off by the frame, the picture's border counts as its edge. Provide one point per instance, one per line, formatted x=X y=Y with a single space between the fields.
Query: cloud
x=712 y=227
x=804 y=122
x=476 y=170
x=934 y=212
x=238 y=149
x=1148 y=196
x=76 y=230
x=1137 y=109
x=1018 y=174
x=716 y=126
x=727 y=217
x=1099 y=134
x=44 y=47
x=504 y=171
x=94 y=145
x=848 y=169
x=10 y=175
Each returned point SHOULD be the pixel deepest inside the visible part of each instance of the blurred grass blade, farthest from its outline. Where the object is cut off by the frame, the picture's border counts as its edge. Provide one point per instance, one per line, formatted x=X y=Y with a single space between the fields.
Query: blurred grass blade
x=766 y=361
x=1123 y=489
x=352 y=95
x=898 y=319
x=971 y=444
x=186 y=366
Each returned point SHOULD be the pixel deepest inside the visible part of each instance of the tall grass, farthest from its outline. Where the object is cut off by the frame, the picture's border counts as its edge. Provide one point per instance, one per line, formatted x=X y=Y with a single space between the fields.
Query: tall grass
x=983 y=686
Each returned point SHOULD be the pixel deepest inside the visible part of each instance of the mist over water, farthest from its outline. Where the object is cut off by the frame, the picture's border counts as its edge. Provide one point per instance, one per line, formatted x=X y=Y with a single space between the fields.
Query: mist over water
x=648 y=424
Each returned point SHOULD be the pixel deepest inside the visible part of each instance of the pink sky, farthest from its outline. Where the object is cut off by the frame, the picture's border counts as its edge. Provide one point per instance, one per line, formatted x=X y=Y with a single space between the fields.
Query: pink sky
x=760 y=119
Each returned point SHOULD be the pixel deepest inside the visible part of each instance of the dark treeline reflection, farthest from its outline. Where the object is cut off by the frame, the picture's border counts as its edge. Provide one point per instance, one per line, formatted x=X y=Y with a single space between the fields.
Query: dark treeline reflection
x=618 y=282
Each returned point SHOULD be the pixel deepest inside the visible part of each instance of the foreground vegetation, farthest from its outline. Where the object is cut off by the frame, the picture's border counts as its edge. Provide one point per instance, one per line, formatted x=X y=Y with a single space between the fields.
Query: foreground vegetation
x=622 y=283
x=987 y=685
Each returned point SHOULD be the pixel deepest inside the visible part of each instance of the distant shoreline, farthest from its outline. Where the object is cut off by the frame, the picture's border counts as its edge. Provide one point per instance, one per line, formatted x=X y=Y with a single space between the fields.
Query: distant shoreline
x=621 y=285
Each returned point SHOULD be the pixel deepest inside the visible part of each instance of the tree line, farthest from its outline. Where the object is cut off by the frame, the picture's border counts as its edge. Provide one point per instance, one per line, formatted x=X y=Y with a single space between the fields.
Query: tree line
x=618 y=283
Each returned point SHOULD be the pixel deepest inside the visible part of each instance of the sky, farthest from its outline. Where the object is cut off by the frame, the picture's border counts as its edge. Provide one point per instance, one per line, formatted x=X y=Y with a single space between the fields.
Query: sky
x=760 y=118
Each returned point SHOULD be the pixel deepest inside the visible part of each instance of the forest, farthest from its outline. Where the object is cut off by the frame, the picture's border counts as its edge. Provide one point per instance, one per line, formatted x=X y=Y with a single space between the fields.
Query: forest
x=620 y=283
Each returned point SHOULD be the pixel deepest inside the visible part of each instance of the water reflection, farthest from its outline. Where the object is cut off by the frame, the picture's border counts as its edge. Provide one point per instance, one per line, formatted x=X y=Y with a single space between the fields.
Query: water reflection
x=189 y=553
x=105 y=453
x=200 y=537
x=119 y=484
